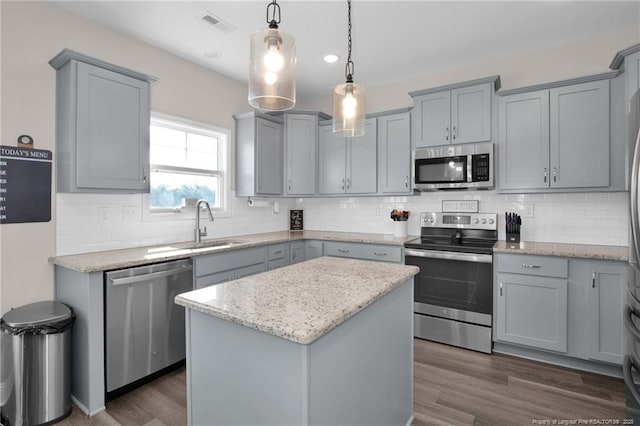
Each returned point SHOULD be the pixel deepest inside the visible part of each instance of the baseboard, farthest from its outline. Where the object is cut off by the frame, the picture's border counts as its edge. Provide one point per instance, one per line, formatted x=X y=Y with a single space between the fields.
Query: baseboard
x=85 y=409
x=559 y=360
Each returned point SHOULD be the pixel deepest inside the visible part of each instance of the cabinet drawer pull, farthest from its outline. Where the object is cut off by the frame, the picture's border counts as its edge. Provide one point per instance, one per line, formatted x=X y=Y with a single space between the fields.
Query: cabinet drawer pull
x=524 y=265
x=380 y=253
x=277 y=252
x=593 y=279
x=343 y=250
x=501 y=285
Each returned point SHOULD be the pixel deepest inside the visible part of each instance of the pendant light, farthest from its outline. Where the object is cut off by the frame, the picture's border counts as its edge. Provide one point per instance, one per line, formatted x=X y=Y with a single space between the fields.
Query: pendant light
x=272 y=68
x=349 y=99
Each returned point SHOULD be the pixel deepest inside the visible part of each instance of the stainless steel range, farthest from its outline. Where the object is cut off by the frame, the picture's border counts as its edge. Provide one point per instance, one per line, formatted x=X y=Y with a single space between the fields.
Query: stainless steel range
x=453 y=294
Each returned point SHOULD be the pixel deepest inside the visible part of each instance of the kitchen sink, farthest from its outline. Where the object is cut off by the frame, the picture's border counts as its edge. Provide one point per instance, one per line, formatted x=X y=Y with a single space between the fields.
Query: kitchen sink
x=214 y=245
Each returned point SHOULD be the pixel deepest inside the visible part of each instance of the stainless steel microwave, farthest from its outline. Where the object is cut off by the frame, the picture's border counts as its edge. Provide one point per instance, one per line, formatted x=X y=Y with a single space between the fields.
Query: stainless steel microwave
x=461 y=166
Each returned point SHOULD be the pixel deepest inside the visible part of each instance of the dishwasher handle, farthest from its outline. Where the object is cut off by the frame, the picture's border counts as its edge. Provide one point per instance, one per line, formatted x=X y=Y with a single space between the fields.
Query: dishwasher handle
x=146 y=277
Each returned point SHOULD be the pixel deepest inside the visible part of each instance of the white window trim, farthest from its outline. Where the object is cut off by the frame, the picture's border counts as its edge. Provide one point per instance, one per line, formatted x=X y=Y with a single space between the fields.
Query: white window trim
x=188 y=213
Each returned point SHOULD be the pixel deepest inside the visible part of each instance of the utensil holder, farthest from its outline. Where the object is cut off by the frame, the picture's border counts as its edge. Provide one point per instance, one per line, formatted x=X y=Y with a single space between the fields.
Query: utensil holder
x=513 y=238
x=400 y=229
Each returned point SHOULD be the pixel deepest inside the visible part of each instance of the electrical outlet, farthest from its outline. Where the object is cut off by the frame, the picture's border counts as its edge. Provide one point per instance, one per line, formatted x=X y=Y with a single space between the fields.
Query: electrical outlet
x=131 y=213
x=104 y=214
x=525 y=209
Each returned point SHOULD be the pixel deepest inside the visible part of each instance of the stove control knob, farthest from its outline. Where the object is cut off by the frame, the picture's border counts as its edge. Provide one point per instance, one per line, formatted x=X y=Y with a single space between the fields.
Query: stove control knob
x=491 y=221
x=430 y=219
x=484 y=221
x=476 y=221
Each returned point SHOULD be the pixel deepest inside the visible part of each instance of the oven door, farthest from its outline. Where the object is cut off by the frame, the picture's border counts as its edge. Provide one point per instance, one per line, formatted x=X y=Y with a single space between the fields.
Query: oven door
x=453 y=285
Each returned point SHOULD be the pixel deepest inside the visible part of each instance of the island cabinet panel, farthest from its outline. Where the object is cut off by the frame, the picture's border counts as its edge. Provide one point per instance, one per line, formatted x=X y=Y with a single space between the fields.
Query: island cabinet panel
x=394 y=153
x=459 y=115
x=217 y=268
x=102 y=129
x=379 y=252
x=532 y=311
x=556 y=138
x=359 y=373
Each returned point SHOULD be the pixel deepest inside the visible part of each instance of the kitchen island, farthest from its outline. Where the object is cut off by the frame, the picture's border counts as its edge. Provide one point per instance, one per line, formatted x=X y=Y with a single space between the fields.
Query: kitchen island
x=327 y=341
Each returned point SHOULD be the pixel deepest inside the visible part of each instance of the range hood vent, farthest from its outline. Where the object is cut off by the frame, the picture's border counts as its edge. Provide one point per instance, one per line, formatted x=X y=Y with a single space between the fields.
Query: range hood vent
x=219 y=23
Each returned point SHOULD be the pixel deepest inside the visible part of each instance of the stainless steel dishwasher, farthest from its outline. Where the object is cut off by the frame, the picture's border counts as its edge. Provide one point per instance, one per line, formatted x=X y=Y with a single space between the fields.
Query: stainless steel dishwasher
x=144 y=328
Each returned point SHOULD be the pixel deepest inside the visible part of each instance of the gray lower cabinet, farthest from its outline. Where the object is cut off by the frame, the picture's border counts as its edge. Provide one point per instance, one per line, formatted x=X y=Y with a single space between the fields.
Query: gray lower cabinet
x=102 y=126
x=605 y=301
x=348 y=165
x=555 y=138
x=379 y=252
x=259 y=155
x=532 y=311
x=458 y=115
x=313 y=249
x=296 y=252
x=394 y=153
x=277 y=256
x=217 y=268
x=564 y=305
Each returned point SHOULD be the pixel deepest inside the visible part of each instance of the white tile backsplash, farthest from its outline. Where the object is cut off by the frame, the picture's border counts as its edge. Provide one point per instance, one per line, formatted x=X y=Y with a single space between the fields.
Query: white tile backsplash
x=91 y=222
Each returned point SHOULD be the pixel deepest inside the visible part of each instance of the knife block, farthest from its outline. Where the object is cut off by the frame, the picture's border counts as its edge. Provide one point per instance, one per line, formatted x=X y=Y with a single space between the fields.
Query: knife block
x=513 y=238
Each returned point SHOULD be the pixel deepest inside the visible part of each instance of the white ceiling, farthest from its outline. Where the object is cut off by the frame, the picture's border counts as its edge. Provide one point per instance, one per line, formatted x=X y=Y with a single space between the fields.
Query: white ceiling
x=392 y=40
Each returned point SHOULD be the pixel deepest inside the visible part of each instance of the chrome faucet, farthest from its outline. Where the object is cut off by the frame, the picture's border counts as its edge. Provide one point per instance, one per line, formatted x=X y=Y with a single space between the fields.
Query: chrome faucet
x=199 y=233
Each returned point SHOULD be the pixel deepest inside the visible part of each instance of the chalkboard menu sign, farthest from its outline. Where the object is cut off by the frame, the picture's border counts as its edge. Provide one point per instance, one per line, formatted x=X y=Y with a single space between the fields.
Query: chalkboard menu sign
x=295 y=220
x=25 y=185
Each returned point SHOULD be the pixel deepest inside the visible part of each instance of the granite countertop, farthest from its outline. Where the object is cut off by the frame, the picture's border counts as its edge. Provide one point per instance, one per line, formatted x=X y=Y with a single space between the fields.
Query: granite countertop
x=125 y=258
x=584 y=251
x=301 y=302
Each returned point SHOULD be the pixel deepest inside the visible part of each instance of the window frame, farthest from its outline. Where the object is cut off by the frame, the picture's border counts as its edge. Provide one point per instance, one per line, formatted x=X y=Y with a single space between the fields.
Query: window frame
x=223 y=173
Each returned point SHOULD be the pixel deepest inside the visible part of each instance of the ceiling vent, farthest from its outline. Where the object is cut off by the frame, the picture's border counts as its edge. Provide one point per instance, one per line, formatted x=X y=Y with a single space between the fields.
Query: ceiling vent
x=219 y=23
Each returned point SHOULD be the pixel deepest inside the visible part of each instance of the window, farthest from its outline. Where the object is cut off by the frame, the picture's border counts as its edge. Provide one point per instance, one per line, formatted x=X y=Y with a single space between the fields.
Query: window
x=188 y=161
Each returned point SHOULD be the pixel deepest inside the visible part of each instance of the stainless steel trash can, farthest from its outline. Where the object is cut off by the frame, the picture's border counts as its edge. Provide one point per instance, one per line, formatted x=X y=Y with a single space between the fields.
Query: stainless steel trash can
x=35 y=368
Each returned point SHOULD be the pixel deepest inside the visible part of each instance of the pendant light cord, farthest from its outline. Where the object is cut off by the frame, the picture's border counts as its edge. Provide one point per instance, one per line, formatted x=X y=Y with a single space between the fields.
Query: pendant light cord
x=275 y=14
x=349 y=69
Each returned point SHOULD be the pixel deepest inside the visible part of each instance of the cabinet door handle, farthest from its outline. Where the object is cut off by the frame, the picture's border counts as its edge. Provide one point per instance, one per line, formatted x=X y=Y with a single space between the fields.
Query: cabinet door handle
x=289 y=184
x=593 y=279
x=348 y=183
x=144 y=175
x=555 y=174
x=545 y=175
x=342 y=184
x=343 y=251
x=406 y=181
x=525 y=265
x=293 y=255
x=501 y=289
x=446 y=133
x=454 y=133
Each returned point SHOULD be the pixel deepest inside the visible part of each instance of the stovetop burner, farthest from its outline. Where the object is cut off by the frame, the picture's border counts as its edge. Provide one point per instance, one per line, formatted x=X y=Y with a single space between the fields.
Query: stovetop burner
x=458 y=232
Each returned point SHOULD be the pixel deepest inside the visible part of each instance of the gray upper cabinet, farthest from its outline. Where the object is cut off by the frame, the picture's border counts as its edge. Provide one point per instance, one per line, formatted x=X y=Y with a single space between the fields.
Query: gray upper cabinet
x=555 y=138
x=457 y=113
x=301 y=142
x=523 y=140
x=394 y=153
x=348 y=165
x=259 y=155
x=102 y=126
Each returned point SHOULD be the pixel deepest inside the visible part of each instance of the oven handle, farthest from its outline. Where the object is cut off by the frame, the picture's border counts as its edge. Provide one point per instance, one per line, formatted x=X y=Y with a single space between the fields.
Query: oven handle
x=450 y=255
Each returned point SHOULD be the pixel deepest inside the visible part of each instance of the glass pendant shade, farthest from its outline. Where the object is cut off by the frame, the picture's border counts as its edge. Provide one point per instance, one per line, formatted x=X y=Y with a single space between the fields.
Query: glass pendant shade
x=272 y=70
x=349 y=109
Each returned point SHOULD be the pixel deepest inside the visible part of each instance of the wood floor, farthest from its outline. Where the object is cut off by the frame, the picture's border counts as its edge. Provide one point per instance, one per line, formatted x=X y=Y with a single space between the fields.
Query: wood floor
x=451 y=387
